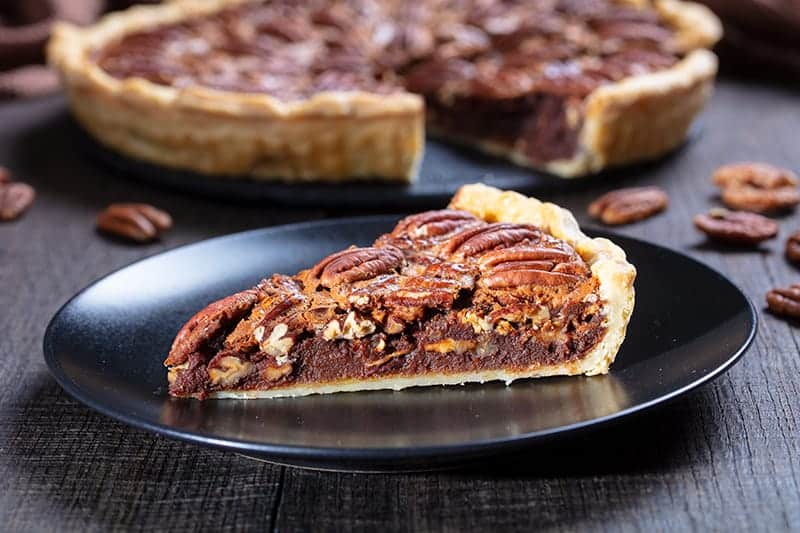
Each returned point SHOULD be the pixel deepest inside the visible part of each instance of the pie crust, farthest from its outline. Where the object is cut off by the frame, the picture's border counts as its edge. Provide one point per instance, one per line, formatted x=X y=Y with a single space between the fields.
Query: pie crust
x=350 y=135
x=610 y=277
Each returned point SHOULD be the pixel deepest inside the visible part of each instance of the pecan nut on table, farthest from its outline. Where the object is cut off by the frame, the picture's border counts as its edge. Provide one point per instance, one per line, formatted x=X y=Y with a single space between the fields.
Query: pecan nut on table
x=736 y=227
x=624 y=206
x=785 y=302
x=134 y=222
x=793 y=247
x=757 y=187
x=15 y=197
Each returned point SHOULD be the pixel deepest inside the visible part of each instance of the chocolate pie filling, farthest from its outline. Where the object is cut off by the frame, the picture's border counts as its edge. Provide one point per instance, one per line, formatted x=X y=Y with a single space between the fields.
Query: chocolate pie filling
x=514 y=73
x=443 y=293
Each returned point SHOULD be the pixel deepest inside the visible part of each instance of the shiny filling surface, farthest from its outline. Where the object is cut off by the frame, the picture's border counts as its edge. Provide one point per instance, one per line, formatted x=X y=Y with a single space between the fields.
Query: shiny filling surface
x=444 y=293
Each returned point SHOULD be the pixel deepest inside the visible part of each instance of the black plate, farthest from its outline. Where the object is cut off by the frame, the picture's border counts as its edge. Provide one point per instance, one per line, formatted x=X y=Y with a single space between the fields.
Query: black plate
x=444 y=169
x=106 y=346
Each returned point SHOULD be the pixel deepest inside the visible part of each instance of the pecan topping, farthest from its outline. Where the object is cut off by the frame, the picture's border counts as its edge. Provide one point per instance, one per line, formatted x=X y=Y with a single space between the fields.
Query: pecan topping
x=624 y=206
x=15 y=199
x=357 y=264
x=204 y=327
x=440 y=76
x=785 y=302
x=793 y=247
x=530 y=265
x=134 y=222
x=757 y=187
x=524 y=253
x=736 y=227
x=433 y=223
x=429 y=47
x=472 y=242
x=527 y=275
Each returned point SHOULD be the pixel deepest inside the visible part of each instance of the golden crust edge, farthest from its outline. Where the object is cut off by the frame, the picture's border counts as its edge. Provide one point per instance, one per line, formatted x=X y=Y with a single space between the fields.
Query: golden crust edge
x=607 y=261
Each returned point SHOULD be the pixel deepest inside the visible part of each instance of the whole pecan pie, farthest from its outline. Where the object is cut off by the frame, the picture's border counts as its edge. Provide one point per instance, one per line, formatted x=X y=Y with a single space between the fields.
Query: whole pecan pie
x=496 y=287
x=341 y=89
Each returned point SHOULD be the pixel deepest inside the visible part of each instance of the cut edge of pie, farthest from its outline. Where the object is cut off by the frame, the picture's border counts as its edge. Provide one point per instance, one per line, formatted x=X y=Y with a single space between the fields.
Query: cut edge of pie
x=349 y=135
x=614 y=304
x=636 y=119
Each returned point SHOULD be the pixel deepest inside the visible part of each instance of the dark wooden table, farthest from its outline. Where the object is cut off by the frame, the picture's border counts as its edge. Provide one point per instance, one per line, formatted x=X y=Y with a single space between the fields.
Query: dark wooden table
x=726 y=457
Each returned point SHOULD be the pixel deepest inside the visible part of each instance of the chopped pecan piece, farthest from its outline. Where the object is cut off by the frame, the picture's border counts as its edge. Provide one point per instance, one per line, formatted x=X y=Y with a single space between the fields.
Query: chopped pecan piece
x=785 y=302
x=736 y=227
x=757 y=187
x=226 y=370
x=624 y=206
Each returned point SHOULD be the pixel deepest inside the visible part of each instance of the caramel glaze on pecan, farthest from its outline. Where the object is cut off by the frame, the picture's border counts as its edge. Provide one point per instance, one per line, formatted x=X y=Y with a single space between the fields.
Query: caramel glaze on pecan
x=475 y=281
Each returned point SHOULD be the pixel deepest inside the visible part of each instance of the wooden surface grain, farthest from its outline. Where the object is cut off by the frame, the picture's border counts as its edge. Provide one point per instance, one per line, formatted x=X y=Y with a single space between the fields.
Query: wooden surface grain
x=726 y=457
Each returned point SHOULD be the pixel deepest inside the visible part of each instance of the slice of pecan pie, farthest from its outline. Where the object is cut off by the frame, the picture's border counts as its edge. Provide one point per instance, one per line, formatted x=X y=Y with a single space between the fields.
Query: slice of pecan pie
x=496 y=287
x=335 y=90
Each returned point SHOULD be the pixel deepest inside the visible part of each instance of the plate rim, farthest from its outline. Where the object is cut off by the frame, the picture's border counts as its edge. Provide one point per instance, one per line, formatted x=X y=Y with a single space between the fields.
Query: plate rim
x=384 y=454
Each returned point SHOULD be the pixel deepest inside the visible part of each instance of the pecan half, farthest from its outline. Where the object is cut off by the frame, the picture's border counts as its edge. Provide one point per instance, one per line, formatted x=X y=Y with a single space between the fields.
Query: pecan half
x=15 y=199
x=523 y=275
x=357 y=264
x=785 y=302
x=736 y=227
x=475 y=241
x=793 y=247
x=524 y=253
x=757 y=187
x=624 y=206
x=433 y=223
x=134 y=222
x=530 y=265
x=207 y=325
